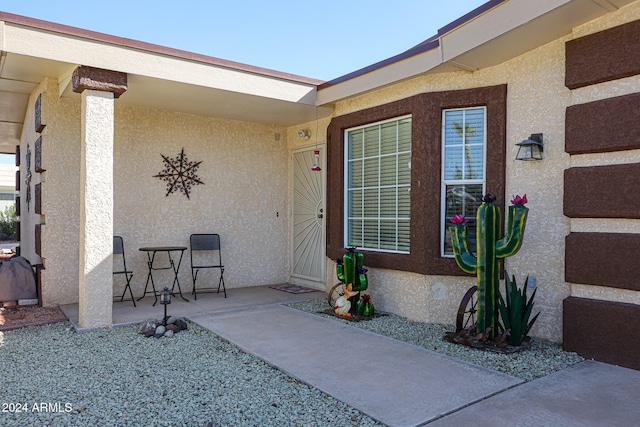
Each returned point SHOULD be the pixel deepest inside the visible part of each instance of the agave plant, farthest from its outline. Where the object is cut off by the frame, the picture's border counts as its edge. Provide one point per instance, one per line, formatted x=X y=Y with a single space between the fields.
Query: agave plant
x=516 y=311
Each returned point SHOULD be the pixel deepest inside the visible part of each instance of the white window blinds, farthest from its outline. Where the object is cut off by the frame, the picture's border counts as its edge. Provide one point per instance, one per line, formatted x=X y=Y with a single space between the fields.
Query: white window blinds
x=378 y=180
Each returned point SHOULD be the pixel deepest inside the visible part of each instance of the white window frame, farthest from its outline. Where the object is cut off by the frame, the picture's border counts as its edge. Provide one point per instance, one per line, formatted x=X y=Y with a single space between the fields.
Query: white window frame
x=444 y=183
x=346 y=182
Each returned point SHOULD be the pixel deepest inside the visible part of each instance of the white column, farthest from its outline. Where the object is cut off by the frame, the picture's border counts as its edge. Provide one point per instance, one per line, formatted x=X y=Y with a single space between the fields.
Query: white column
x=96 y=210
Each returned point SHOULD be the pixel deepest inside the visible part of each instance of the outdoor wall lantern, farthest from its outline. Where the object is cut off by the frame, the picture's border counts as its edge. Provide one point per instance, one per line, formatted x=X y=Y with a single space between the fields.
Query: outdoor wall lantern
x=165 y=299
x=304 y=134
x=530 y=149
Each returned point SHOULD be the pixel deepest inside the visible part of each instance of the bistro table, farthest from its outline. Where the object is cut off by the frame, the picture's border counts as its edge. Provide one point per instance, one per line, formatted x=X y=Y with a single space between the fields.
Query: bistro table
x=151 y=255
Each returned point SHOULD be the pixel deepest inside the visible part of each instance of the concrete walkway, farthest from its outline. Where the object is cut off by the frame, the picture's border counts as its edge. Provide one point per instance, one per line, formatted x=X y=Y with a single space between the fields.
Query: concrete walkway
x=589 y=394
x=397 y=383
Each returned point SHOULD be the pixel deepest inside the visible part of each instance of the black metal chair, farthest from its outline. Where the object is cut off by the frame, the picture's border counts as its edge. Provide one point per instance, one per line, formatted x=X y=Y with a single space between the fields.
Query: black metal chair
x=208 y=255
x=118 y=249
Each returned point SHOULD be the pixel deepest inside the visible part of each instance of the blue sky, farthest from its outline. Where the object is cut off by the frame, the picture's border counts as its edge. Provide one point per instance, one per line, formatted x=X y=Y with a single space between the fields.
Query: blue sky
x=323 y=40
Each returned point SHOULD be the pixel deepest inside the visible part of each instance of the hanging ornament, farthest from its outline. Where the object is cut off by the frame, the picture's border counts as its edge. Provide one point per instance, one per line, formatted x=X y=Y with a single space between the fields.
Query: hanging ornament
x=316 y=153
x=316 y=161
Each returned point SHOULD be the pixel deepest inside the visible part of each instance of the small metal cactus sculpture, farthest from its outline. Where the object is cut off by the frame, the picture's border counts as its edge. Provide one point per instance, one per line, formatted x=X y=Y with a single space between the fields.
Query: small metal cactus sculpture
x=351 y=272
x=365 y=306
x=486 y=264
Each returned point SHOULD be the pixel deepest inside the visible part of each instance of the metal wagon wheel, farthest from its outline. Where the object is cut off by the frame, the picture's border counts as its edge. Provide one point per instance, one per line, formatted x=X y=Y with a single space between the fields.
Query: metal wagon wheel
x=334 y=294
x=467 y=311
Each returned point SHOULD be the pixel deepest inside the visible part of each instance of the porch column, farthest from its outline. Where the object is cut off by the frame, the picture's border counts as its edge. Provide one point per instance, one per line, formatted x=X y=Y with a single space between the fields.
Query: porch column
x=99 y=88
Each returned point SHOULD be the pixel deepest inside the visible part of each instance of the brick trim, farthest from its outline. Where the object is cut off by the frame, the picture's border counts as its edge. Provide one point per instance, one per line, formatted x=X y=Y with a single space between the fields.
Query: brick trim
x=602 y=191
x=98 y=79
x=37 y=208
x=603 y=259
x=37 y=156
x=38 y=239
x=602 y=330
x=604 y=56
x=38 y=114
x=601 y=126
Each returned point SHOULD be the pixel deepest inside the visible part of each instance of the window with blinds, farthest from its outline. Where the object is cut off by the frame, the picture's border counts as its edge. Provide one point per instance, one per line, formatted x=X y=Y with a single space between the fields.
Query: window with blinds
x=463 y=170
x=378 y=181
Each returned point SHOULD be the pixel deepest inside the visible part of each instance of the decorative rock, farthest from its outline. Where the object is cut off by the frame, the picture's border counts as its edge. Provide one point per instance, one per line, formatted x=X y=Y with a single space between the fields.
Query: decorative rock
x=147 y=325
x=168 y=334
x=171 y=320
x=160 y=330
x=158 y=335
x=150 y=333
x=173 y=327
x=181 y=324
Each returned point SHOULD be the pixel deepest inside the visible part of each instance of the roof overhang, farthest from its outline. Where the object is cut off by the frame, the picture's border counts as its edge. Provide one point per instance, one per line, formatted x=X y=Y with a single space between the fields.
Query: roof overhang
x=174 y=80
x=495 y=32
x=158 y=77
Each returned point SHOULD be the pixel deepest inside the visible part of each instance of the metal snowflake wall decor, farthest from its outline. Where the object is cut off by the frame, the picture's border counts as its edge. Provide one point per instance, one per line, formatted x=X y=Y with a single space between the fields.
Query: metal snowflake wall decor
x=179 y=173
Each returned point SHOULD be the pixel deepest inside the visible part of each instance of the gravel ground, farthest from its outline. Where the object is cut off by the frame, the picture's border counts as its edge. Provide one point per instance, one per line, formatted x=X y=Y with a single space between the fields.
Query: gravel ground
x=115 y=377
x=54 y=376
x=542 y=358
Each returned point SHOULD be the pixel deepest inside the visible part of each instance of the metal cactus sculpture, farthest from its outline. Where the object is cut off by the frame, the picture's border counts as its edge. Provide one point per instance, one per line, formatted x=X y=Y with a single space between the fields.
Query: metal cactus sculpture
x=486 y=264
x=365 y=306
x=351 y=272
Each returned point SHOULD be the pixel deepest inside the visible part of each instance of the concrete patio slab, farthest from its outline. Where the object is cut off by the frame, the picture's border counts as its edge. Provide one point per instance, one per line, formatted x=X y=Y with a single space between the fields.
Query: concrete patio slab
x=124 y=313
x=587 y=394
x=396 y=383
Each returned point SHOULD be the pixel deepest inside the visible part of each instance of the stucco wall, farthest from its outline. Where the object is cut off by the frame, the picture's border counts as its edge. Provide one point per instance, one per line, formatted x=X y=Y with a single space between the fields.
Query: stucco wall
x=536 y=103
x=60 y=195
x=28 y=217
x=244 y=197
x=596 y=92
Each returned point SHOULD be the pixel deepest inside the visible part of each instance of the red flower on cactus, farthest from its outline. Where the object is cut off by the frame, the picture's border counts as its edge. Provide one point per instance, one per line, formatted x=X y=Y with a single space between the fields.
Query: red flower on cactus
x=519 y=200
x=366 y=298
x=459 y=219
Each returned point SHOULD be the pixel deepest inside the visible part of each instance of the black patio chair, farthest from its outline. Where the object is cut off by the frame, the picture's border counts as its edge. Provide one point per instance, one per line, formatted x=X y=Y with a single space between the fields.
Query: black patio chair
x=118 y=252
x=208 y=255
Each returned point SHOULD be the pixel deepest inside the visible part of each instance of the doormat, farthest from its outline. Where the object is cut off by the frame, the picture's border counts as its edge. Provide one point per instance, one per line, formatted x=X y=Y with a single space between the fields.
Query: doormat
x=293 y=289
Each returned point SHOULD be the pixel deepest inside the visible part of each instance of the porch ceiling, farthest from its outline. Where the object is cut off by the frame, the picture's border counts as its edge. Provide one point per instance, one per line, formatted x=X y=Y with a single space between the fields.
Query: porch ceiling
x=158 y=77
